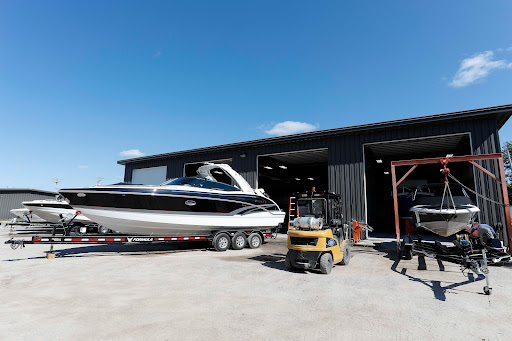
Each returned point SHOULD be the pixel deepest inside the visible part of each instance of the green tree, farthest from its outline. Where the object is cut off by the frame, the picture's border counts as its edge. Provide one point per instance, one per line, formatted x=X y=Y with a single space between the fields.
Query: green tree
x=506 y=151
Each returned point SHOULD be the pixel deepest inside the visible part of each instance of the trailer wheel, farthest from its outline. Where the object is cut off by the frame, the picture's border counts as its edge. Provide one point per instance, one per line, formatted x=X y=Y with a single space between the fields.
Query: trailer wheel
x=221 y=242
x=487 y=290
x=103 y=229
x=238 y=241
x=347 y=253
x=288 y=262
x=326 y=263
x=255 y=240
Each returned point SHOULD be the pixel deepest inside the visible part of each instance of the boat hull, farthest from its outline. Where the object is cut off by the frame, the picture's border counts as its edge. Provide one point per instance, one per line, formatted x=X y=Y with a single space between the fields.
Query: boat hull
x=172 y=223
x=24 y=215
x=445 y=222
x=52 y=213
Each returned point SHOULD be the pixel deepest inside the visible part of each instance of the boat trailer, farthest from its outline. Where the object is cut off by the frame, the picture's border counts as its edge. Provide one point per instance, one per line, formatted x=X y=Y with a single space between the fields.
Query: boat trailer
x=220 y=240
x=472 y=253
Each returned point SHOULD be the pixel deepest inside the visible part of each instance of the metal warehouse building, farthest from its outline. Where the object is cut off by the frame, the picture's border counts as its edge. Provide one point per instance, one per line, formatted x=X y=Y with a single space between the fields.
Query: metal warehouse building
x=352 y=161
x=11 y=198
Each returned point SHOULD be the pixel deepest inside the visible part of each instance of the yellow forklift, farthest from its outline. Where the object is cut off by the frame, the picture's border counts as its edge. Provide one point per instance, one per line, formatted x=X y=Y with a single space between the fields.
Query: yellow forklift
x=318 y=239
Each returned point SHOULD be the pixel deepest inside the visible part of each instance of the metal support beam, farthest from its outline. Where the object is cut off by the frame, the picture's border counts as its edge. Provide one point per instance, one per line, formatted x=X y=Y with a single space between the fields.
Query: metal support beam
x=485 y=171
x=395 y=202
x=450 y=159
x=406 y=174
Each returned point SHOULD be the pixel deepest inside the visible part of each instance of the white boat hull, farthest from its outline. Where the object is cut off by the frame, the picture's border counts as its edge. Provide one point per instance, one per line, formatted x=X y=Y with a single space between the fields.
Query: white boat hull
x=54 y=215
x=445 y=222
x=165 y=223
x=23 y=214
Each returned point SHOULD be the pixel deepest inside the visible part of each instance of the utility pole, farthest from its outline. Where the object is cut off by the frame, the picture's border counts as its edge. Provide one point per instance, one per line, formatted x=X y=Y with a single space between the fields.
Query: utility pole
x=56 y=183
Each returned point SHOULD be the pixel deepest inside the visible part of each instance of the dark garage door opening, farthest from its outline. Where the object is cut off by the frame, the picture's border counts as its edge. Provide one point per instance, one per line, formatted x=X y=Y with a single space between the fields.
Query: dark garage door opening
x=378 y=157
x=281 y=175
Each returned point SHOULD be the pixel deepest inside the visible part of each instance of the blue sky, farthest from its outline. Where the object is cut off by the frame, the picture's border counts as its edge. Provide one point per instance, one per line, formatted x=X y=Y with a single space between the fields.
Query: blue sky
x=81 y=82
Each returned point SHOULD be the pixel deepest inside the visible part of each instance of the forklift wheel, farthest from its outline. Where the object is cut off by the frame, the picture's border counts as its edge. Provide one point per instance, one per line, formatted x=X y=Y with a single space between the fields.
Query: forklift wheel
x=326 y=263
x=347 y=253
x=288 y=262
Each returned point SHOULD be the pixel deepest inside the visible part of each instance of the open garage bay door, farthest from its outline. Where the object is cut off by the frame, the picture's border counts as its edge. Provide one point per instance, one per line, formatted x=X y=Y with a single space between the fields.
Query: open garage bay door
x=378 y=157
x=149 y=176
x=283 y=174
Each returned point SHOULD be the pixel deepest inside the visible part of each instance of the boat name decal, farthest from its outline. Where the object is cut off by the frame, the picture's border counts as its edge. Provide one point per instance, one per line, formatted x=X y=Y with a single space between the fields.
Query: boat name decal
x=139 y=239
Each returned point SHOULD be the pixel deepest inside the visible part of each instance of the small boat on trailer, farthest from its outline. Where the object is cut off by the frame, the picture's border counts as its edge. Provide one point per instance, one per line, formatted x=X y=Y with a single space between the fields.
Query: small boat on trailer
x=444 y=214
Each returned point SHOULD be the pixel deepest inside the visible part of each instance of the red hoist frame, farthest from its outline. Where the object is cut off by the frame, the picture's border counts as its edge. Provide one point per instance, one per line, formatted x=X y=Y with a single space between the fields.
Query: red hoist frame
x=444 y=161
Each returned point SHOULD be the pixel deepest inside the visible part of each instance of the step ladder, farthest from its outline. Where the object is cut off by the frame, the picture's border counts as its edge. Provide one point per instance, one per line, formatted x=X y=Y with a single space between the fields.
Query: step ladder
x=292 y=211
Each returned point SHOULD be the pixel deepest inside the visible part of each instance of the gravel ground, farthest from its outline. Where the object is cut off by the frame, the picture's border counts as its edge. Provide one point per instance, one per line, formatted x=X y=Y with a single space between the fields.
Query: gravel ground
x=186 y=292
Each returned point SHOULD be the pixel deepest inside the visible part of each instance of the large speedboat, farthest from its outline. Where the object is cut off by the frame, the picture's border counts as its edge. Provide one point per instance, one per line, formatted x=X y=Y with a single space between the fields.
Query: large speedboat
x=444 y=215
x=184 y=206
x=55 y=210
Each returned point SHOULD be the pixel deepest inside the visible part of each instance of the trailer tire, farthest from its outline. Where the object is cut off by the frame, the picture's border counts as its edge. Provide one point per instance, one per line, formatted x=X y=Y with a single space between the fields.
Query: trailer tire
x=239 y=241
x=103 y=229
x=288 y=262
x=255 y=240
x=221 y=242
x=326 y=263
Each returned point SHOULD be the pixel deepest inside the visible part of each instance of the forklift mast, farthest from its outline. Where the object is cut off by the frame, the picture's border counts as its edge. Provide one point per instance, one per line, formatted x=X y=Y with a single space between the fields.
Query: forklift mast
x=322 y=204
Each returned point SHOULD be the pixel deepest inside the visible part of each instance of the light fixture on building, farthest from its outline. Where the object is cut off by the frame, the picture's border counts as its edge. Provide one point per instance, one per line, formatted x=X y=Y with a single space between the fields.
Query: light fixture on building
x=379 y=161
x=267 y=167
x=311 y=179
x=386 y=173
x=283 y=167
x=297 y=179
x=243 y=154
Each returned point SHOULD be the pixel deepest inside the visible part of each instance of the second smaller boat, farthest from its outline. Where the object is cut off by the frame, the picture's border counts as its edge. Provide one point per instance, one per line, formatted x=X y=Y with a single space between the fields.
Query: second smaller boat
x=444 y=214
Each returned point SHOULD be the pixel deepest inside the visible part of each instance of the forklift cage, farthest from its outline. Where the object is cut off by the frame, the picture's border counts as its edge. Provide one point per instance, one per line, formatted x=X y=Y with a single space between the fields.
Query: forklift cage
x=444 y=161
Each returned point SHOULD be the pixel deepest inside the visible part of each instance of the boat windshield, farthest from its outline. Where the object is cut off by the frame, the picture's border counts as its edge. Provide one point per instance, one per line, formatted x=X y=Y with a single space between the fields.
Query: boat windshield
x=201 y=183
x=312 y=208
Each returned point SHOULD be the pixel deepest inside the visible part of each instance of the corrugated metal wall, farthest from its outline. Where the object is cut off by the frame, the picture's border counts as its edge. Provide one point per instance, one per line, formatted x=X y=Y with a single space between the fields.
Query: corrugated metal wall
x=346 y=160
x=10 y=199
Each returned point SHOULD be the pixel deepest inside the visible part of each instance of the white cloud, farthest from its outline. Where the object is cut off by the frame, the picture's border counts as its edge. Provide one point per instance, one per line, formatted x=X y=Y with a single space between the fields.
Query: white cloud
x=132 y=153
x=477 y=67
x=291 y=127
x=508 y=49
x=82 y=167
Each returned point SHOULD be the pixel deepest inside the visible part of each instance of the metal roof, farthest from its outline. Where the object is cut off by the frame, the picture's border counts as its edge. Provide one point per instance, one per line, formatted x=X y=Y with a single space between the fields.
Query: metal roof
x=502 y=114
x=435 y=145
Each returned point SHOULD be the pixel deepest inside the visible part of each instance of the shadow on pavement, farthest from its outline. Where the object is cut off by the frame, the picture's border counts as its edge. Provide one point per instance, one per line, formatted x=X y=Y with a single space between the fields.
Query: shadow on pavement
x=275 y=261
x=389 y=250
x=124 y=250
